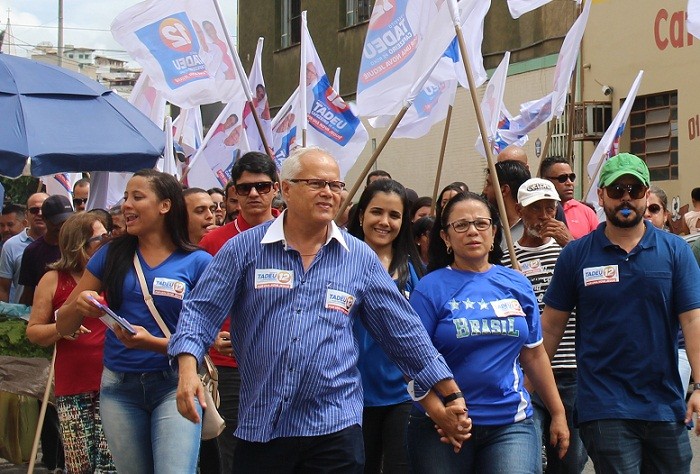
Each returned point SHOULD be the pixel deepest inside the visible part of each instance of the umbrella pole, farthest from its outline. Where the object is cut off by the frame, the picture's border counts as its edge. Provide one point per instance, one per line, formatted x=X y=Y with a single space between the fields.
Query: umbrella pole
x=42 y=414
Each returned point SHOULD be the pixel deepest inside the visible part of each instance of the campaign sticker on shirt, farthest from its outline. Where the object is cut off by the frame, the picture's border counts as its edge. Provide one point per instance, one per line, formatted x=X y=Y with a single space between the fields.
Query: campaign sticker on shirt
x=507 y=307
x=530 y=267
x=168 y=287
x=339 y=300
x=273 y=278
x=599 y=275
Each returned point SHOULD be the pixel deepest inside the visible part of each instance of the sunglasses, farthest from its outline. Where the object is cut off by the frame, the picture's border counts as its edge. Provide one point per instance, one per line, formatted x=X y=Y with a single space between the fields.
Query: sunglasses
x=98 y=238
x=34 y=210
x=79 y=201
x=263 y=187
x=319 y=184
x=222 y=205
x=563 y=178
x=617 y=191
x=654 y=208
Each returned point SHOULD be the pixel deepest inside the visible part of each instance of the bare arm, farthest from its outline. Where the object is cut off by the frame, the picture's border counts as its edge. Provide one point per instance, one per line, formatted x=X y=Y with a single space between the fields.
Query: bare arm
x=5 y=284
x=553 y=325
x=188 y=387
x=41 y=330
x=536 y=365
x=77 y=306
x=690 y=323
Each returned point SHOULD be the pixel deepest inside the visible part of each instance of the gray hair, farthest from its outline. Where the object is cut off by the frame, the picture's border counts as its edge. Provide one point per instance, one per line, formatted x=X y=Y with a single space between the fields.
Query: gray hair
x=291 y=167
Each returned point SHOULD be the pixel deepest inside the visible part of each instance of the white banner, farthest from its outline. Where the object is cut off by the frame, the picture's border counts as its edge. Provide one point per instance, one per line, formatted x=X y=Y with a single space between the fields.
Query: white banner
x=148 y=100
x=609 y=144
x=182 y=46
x=284 y=128
x=332 y=124
x=520 y=7
x=261 y=104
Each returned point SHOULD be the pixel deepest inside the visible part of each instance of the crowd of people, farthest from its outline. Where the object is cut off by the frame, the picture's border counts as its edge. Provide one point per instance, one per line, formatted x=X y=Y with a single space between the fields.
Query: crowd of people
x=398 y=337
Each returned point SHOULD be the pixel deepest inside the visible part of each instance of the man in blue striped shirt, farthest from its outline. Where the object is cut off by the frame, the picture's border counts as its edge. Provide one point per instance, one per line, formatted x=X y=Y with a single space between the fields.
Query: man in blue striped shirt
x=295 y=286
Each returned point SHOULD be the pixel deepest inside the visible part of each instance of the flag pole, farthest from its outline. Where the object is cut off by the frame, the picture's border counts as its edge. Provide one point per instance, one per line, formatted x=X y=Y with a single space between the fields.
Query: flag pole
x=42 y=413
x=373 y=158
x=548 y=139
x=443 y=146
x=574 y=81
x=484 y=139
x=243 y=78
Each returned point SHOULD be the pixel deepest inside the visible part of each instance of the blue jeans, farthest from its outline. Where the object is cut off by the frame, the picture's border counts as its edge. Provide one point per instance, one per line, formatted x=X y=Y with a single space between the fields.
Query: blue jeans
x=145 y=432
x=633 y=446
x=508 y=449
x=576 y=456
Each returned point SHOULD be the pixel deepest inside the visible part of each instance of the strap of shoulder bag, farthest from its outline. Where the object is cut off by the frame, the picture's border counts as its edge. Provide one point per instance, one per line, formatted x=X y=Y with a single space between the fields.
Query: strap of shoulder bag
x=148 y=298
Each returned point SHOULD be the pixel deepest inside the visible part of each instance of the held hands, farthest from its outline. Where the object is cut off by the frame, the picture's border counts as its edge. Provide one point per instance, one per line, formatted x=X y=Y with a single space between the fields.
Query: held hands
x=694 y=409
x=559 y=434
x=222 y=343
x=453 y=424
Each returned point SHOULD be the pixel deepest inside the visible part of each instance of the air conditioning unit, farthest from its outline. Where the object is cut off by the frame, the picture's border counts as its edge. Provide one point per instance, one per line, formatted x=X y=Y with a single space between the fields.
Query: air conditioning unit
x=591 y=120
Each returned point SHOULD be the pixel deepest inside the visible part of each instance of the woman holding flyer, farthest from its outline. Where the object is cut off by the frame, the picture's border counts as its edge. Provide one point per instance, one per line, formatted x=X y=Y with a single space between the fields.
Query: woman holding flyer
x=77 y=396
x=138 y=388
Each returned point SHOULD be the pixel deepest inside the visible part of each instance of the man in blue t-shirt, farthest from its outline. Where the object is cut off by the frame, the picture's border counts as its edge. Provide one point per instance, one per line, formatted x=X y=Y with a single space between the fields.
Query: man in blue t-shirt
x=632 y=285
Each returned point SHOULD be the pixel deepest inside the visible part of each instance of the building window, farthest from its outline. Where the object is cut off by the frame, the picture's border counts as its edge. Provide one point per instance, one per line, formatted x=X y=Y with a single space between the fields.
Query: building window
x=290 y=25
x=357 y=11
x=654 y=133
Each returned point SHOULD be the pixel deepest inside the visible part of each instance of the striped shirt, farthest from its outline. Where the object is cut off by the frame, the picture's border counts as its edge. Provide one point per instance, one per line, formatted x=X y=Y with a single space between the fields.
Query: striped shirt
x=537 y=264
x=292 y=330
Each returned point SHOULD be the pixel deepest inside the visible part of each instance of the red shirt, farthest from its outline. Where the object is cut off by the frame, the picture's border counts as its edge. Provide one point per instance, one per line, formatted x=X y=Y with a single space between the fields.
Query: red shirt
x=78 y=362
x=580 y=219
x=212 y=243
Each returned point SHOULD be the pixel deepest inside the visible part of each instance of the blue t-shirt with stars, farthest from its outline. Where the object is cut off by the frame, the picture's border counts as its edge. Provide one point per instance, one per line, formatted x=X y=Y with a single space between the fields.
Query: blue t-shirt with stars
x=480 y=322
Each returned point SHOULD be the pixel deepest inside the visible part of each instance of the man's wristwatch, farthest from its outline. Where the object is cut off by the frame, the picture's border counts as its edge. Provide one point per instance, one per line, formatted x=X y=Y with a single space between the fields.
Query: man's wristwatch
x=454 y=396
x=696 y=386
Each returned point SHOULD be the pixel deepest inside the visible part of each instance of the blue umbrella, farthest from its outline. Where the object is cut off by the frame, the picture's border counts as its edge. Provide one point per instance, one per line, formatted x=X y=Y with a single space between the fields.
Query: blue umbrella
x=65 y=122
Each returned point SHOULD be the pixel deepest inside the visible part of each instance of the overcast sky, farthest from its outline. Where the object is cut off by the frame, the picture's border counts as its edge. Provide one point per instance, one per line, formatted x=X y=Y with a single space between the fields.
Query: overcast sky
x=86 y=23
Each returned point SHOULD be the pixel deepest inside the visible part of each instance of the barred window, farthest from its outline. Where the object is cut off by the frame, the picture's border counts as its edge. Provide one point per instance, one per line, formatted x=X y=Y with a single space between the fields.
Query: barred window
x=654 y=133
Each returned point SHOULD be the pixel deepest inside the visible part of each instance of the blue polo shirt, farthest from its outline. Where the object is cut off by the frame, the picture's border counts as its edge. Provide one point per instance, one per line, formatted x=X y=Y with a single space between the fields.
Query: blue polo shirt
x=627 y=322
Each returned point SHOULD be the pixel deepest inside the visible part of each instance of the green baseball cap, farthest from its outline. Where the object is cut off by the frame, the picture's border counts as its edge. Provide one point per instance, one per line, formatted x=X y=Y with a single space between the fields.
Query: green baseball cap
x=622 y=164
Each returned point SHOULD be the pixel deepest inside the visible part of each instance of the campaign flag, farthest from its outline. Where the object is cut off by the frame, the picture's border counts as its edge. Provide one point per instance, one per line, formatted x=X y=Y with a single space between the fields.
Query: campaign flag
x=284 y=128
x=181 y=45
x=536 y=112
x=430 y=105
x=61 y=184
x=148 y=100
x=224 y=144
x=332 y=124
x=520 y=7
x=106 y=189
x=693 y=20
x=404 y=39
x=610 y=143
x=188 y=131
x=260 y=103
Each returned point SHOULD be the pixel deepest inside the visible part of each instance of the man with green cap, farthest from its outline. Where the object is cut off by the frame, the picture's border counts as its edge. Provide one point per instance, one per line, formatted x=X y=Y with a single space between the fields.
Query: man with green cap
x=632 y=285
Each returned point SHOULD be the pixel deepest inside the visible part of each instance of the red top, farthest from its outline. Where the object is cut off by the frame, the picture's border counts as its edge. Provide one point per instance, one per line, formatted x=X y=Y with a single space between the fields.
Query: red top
x=78 y=362
x=212 y=243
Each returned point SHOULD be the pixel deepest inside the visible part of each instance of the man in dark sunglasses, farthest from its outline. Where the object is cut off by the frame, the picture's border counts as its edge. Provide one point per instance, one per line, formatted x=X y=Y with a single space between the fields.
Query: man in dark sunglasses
x=632 y=286
x=81 y=192
x=580 y=219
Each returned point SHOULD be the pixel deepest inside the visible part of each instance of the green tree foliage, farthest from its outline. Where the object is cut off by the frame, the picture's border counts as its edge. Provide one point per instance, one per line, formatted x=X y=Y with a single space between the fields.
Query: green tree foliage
x=19 y=189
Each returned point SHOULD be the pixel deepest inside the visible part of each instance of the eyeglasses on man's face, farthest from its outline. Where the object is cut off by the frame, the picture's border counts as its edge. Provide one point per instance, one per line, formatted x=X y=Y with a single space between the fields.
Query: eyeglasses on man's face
x=617 y=191
x=563 y=178
x=318 y=184
x=262 y=187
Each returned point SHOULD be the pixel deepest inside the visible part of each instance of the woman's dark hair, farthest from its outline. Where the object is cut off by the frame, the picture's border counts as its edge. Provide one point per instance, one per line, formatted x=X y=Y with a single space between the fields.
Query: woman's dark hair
x=404 y=248
x=437 y=251
x=105 y=218
x=423 y=201
x=438 y=203
x=120 y=254
x=422 y=226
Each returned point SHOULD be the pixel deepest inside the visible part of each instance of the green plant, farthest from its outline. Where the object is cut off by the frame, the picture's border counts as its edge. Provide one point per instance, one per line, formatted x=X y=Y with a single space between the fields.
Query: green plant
x=14 y=342
x=18 y=190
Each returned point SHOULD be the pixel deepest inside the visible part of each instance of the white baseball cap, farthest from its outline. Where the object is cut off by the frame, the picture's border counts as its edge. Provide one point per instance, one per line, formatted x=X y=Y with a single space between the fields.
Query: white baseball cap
x=536 y=189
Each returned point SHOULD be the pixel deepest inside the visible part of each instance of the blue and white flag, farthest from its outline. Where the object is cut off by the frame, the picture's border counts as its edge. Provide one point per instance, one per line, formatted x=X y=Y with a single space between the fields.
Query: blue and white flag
x=332 y=124
x=404 y=39
x=148 y=100
x=610 y=143
x=284 y=128
x=260 y=103
x=181 y=45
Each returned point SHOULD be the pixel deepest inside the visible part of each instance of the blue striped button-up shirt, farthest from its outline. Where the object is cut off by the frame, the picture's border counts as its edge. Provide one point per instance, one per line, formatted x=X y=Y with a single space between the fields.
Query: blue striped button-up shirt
x=292 y=330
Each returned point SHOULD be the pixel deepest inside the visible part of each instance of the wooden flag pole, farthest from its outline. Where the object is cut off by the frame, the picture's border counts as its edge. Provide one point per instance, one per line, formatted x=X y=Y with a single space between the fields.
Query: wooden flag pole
x=42 y=413
x=487 y=145
x=373 y=159
x=442 y=156
x=547 y=140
